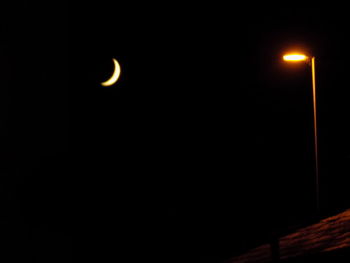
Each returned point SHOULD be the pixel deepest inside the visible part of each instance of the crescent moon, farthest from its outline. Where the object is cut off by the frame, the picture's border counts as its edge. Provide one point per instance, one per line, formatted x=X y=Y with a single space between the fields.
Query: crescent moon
x=115 y=75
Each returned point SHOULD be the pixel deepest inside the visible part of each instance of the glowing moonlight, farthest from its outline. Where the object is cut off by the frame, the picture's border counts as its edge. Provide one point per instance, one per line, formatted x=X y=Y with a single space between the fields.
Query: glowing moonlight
x=114 y=77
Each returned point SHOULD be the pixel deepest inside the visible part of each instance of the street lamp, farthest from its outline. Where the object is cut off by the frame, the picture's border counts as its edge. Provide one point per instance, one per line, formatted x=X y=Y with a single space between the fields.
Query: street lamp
x=310 y=60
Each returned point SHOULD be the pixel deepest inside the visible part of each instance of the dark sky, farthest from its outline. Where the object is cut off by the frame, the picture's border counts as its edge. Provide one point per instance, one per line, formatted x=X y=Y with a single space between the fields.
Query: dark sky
x=202 y=150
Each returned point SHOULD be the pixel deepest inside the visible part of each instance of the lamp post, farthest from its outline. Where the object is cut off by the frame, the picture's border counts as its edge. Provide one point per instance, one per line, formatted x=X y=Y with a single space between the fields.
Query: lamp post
x=310 y=61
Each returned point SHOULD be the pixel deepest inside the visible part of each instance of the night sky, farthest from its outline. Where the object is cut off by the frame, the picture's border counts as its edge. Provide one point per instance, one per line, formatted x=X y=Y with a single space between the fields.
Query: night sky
x=202 y=150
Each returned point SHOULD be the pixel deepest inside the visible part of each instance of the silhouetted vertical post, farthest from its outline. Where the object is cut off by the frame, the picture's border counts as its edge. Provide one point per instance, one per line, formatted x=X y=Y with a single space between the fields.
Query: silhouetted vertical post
x=275 y=249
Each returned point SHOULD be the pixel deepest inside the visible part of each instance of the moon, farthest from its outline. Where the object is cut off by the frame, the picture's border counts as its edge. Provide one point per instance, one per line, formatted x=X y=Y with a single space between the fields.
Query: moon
x=112 y=80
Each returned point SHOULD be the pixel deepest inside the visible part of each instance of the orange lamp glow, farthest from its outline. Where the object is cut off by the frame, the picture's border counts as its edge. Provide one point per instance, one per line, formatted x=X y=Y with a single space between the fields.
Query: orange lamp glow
x=295 y=57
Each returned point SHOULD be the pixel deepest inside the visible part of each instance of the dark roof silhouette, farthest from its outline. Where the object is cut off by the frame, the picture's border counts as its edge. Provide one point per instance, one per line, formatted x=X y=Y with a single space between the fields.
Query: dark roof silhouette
x=327 y=235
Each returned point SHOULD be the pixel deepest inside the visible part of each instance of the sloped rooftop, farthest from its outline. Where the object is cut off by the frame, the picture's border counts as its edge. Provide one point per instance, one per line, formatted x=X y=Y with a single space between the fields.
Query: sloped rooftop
x=327 y=235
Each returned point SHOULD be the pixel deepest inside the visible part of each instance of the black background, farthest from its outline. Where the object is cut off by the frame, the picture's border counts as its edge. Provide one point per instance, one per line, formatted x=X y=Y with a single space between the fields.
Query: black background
x=202 y=150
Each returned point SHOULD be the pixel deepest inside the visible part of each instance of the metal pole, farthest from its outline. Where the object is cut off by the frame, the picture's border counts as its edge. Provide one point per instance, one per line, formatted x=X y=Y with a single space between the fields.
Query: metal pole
x=315 y=133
